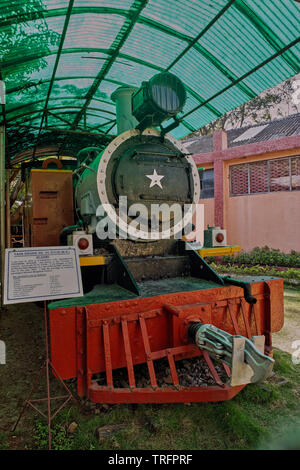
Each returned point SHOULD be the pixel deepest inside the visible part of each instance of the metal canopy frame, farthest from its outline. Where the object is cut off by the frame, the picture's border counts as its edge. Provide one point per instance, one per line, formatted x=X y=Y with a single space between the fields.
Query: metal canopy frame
x=225 y=89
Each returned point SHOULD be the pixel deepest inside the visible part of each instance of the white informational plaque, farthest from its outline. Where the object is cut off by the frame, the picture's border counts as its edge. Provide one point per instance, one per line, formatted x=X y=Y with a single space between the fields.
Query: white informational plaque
x=41 y=273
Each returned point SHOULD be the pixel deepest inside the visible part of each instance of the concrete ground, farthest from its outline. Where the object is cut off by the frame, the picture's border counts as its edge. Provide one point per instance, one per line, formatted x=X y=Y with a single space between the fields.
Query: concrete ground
x=287 y=338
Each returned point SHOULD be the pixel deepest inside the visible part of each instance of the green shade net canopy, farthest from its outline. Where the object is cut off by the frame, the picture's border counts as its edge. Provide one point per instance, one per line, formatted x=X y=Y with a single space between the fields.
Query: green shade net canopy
x=61 y=60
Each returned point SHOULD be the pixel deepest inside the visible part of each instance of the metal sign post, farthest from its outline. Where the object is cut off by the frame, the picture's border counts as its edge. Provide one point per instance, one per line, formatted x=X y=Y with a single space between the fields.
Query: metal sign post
x=43 y=273
x=2 y=207
x=47 y=366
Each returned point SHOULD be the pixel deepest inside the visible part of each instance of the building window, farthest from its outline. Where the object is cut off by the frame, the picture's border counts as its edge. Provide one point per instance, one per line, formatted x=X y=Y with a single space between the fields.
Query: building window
x=206 y=183
x=280 y=178
x=280 y=174
x=239 y=179
x=258 y=180
x=295 y=170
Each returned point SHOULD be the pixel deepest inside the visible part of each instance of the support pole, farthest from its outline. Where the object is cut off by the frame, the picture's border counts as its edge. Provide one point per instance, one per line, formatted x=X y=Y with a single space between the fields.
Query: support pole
x=2 y=206
x=7 y=209
x=47 y=366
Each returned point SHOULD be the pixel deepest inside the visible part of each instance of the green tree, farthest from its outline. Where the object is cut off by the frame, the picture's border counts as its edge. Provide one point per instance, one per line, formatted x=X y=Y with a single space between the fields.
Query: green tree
x=20 y=39
x=276 y=102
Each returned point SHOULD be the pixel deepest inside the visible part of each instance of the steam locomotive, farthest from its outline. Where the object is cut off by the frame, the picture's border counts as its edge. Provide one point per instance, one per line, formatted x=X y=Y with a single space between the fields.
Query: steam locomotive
x=143 y=166
x=148 y=295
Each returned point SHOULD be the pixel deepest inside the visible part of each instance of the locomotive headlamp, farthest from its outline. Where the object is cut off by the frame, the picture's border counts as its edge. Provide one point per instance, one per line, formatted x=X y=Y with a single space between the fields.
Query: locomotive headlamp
x=161 y=98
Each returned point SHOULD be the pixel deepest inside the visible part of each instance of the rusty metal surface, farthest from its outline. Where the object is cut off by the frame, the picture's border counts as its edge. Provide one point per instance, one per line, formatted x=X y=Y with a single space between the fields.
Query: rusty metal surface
x=47 y=366
x=103 y=337
x=163 y=395
x=51 y=206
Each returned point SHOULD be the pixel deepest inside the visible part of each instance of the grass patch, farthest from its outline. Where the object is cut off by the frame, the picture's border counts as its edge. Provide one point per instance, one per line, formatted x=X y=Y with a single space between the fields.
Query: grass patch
x=4 y=445
x=285 y=367
x=258 y=417
x=59 y=437
x=240 y=425
x=292 y=299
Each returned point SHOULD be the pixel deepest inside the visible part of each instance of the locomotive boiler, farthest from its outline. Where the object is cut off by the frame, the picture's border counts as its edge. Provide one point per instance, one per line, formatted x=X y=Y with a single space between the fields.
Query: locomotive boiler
x=149 y=297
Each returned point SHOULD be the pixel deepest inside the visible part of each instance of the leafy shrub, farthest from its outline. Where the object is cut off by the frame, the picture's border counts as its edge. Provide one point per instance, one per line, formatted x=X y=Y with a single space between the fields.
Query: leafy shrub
x=60 y=439
x=256 y=271
x=265 y=256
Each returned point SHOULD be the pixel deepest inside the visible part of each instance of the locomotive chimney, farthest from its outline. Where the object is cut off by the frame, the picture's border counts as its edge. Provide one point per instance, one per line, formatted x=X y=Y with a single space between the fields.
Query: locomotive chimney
x=125 y=119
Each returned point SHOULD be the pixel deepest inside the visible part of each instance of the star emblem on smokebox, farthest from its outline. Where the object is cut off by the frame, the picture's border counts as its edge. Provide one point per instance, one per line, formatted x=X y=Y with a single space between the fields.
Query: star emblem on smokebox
x=155 y=179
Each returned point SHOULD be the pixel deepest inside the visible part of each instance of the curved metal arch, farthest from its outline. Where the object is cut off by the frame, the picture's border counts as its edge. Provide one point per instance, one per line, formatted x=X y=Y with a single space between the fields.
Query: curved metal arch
x=131 y=59
x=69 y=50
x=192 y=92
x=75 y=77
x=57 y=12
x=51 y=109
x=14 y=90
x=132 y=16
x=54 y=109
x=97 y=10
x=102 y=10
x=65 y=127
x=54 y=99
x=57 y=59
x=243 y=77
x=64 y=130
x=191 y=42
x=40 y=152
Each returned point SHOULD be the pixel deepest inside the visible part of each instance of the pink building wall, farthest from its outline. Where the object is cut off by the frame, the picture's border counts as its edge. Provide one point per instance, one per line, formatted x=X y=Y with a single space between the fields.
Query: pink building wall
x=271 y=219
x=209 y=211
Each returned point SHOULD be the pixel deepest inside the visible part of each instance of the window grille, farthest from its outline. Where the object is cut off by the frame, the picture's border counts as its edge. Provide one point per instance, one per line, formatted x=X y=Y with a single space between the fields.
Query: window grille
x=280 y=174
x=295 y=169
x=239 y=180
x=280 y=179
x=258 y=177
